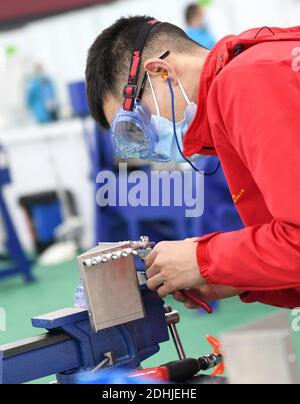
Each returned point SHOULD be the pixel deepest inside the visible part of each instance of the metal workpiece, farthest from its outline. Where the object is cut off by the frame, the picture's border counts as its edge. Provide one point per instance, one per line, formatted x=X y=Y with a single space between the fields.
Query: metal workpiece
x=111 y=283
x=143 y=244
x=173 y=318
x=139 y=248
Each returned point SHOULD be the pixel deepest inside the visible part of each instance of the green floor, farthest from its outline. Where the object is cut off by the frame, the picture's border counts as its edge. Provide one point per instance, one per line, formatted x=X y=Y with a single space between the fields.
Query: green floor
x=54 y=290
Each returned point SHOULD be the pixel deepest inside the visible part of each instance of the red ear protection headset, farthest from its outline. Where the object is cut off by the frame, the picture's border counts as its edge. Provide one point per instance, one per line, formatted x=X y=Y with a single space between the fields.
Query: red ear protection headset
x=131 y=89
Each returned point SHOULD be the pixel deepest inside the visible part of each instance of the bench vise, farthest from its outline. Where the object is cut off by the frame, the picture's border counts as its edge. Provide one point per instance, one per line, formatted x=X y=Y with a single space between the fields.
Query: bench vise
x=71 y=347
x=123 y=325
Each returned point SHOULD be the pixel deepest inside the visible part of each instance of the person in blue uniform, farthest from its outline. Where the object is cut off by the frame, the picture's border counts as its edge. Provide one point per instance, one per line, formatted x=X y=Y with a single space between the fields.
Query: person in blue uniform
x=41 y=97
x=197 y=29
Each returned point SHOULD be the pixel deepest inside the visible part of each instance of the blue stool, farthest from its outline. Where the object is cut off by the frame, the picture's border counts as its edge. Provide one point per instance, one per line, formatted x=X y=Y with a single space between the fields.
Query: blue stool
x=21 y=264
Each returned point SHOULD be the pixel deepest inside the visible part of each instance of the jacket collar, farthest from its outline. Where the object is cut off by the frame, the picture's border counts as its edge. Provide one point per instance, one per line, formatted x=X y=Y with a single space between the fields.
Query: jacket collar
x=198 y=139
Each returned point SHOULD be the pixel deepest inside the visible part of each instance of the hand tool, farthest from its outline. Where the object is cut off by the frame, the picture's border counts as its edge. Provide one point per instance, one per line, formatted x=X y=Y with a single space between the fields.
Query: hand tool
x=184 y=370
x=195 y=299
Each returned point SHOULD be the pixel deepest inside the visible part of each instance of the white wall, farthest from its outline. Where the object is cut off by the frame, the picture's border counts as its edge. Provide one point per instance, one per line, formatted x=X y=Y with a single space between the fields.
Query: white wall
x=32 y=155
x=235 y=16
x=61 y=43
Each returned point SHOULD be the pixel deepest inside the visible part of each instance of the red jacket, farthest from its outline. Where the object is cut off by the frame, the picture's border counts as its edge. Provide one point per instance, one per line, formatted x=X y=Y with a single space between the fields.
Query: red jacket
x=249 y=115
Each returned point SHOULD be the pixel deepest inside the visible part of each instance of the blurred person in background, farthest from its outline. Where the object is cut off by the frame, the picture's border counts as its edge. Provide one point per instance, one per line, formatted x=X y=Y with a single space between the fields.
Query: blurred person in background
x=197 y=28
x=41 y=97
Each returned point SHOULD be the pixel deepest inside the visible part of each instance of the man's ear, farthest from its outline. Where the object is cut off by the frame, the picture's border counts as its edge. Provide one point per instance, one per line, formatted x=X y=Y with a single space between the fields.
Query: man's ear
x=157 y=67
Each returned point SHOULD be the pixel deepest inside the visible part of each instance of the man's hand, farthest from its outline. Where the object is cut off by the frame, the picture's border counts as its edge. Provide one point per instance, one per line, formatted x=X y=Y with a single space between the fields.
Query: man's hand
x=173 y=266
x=208 y=293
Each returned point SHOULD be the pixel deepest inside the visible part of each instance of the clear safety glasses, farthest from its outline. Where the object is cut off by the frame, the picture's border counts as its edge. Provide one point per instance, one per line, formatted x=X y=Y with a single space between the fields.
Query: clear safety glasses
x=134 y=133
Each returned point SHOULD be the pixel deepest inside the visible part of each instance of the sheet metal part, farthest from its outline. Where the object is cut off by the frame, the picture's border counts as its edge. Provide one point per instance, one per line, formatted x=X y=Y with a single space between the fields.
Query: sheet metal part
x=136 y=248
x=111 y=284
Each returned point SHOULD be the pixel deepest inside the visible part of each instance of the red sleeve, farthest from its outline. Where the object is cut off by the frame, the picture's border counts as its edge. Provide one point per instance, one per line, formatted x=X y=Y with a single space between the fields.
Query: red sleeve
x=260 y=108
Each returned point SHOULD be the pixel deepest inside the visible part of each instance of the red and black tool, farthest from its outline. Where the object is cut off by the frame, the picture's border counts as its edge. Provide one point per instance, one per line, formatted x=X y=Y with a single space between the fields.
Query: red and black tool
x=184 y=370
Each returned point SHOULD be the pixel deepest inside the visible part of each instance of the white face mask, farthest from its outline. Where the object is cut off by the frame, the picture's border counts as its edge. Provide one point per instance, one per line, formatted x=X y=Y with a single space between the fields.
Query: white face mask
x=167 y=145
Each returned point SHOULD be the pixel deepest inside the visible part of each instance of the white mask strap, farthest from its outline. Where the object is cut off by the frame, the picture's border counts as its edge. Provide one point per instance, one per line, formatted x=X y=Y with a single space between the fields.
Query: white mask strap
x=184 y=93
x=154 y=96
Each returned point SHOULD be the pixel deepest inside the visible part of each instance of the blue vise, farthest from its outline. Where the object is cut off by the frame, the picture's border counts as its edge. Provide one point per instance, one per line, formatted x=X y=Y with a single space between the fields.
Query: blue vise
x=71 y=347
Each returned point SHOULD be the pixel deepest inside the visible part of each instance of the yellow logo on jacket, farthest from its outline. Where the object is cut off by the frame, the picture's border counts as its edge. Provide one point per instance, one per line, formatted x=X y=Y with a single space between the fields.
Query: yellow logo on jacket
x=237 y=197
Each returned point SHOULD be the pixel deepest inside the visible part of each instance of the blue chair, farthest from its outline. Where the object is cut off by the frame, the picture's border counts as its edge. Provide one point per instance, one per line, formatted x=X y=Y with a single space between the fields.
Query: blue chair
x=165 y=223
x=78 y=98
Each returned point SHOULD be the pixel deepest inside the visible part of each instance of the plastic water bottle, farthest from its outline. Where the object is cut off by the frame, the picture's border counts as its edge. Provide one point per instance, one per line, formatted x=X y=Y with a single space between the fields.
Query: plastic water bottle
x=80 y=302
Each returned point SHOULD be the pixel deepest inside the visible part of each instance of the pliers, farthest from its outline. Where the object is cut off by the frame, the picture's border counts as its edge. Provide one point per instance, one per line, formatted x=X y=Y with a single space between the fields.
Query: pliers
x=194 y=298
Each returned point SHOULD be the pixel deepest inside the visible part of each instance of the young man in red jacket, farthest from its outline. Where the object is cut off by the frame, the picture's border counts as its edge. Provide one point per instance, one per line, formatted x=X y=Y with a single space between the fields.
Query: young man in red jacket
x=241 y=102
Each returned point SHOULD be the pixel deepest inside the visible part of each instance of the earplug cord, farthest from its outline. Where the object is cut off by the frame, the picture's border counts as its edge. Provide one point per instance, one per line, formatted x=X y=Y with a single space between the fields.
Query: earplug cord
x=177 y=141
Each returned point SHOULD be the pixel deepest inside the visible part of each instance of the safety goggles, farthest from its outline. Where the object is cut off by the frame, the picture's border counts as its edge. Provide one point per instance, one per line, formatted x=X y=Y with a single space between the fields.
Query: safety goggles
x=133 y=132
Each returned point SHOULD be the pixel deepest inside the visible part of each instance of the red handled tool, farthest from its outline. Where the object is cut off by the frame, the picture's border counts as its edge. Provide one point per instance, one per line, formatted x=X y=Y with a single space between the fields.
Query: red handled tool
x=184 y=370
x=194 y=297
x=217 y=346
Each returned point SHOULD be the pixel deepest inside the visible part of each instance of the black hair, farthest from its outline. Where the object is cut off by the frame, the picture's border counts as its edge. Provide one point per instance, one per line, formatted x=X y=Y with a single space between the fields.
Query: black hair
x=109 y=57
x=190 y=11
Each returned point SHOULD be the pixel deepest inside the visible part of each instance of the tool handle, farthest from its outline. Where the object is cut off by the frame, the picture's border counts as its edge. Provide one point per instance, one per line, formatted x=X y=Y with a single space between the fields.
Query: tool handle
x=194 y=297
x=175 y=372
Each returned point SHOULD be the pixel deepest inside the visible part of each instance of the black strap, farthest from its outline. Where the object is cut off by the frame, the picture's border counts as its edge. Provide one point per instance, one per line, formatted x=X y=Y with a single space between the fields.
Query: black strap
x=131 y=89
